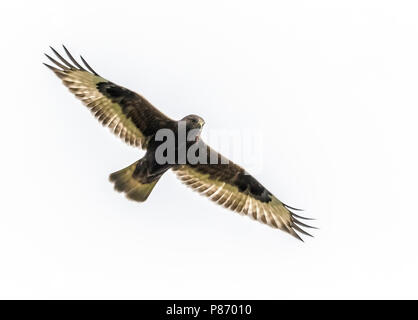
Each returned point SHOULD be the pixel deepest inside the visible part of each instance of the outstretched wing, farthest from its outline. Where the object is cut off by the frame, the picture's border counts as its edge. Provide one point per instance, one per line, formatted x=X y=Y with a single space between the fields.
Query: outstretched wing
x=229 y=185
x=126 y=113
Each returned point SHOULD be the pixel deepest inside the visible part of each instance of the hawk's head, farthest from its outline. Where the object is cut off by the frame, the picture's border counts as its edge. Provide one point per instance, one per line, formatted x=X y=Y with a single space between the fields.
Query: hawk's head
x=194 y=125
x=194 y=122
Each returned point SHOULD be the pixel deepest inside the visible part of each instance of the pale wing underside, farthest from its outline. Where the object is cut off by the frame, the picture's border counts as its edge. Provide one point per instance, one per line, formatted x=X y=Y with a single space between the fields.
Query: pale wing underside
x=273 y=213
x=118 y=117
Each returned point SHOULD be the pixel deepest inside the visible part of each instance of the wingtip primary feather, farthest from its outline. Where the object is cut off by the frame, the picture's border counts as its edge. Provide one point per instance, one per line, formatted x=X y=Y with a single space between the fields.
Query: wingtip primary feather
x=88 y=66
x=300 y=217
x=303 y=224
x=72 y=59
x=50 y=67
x=298 y=229
x=294 y=234
x=56 y=62
x=289 y=207
x=61 y=58
x=66 y=65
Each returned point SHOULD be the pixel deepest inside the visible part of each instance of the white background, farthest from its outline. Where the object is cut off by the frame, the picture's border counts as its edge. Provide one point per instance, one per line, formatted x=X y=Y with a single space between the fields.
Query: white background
x=332 y=87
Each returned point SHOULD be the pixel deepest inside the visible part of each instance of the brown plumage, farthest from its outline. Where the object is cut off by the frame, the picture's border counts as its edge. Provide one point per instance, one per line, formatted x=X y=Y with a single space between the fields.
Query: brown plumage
x=131 y=117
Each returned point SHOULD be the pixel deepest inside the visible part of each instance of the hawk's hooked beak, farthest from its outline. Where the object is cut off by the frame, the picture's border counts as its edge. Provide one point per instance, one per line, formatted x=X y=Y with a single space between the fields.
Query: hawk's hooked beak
x=201 y=122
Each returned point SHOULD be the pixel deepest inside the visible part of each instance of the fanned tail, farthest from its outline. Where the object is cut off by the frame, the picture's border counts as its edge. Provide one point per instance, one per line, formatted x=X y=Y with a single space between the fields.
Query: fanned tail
x=125 y=182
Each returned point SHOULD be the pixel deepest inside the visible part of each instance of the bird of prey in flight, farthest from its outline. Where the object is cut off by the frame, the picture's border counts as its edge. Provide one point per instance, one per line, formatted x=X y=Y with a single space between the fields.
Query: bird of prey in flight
x=137 y=122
